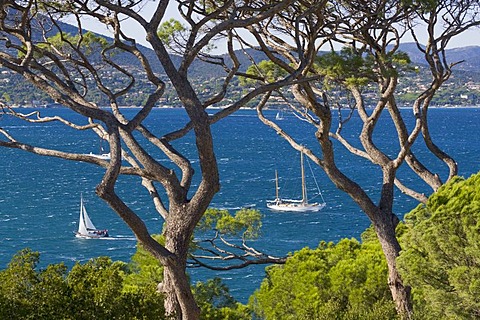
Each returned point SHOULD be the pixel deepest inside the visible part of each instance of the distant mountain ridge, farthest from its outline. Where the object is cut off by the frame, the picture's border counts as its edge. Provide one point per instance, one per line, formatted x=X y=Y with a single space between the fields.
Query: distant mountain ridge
x=463 y=87
x=470 y=55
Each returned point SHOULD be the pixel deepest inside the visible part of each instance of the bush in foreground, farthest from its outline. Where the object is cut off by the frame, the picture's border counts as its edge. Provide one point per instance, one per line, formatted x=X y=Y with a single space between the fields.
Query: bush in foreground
x=334 y=281
x=90 y=291
x=100 y=289
x=441 y=257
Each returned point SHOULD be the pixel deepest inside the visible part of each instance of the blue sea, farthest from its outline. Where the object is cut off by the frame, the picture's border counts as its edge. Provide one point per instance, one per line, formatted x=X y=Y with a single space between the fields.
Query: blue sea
x=39 y=196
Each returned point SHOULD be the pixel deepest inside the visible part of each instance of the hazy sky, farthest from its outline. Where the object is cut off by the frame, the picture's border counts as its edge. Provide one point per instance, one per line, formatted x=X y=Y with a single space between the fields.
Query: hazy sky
x=468 y=38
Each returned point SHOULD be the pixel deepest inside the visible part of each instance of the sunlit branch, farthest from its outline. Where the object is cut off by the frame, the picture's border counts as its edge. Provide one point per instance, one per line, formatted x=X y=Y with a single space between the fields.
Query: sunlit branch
x=420 y=197
x=40 y=119
x=244 y=254
x=284 y=134
x=231 y=73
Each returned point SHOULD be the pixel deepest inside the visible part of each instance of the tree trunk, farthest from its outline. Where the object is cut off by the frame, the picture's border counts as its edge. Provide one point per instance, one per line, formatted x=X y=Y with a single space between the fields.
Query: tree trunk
x=179 y=301
x=385 y=230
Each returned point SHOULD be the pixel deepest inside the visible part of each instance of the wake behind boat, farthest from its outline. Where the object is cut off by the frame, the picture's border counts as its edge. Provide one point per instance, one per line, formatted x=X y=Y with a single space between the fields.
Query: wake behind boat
x=86 y=228
x=291 y=205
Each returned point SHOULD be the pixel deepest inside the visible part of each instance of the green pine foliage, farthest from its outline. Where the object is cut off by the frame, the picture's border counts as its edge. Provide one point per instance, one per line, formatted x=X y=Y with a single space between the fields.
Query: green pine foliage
x=144 y=269
x=93 y=290
x=265 y=71
x=245 y=222
x=347 y=280
x=169 y=30
x=28 y=294
x=441 y=260
x=101 y=289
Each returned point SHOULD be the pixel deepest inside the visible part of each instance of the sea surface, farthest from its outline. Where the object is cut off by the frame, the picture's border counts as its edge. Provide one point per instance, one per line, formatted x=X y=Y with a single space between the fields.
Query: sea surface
x=39 y=196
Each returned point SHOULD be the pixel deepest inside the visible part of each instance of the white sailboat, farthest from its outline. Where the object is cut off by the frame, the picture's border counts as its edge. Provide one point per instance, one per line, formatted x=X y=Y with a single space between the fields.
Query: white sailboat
x=86 y=228
x=279 y=116
x=302 y=205
x=102 y=155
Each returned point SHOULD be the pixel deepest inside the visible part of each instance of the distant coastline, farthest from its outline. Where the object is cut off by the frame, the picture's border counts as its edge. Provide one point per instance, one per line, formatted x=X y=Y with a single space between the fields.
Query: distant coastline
x=271 y=107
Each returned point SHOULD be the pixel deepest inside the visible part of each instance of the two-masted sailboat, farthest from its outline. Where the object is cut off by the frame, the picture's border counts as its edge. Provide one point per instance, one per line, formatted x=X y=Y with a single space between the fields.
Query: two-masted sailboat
x=86 y=228
x=301 y=205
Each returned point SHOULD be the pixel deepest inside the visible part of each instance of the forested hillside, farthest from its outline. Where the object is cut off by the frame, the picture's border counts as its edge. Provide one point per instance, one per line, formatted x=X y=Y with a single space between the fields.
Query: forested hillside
x=463 y=89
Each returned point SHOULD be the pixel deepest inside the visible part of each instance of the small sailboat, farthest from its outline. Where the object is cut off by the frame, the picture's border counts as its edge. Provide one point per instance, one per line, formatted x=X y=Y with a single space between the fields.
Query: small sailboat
x=279 y=116
x=302 y=205
x=102 y=154
x=86 y=228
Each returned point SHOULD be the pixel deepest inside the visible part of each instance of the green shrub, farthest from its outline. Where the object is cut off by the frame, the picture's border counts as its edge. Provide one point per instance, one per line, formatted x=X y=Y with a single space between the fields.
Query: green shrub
x=441 y=256
x=347 y=280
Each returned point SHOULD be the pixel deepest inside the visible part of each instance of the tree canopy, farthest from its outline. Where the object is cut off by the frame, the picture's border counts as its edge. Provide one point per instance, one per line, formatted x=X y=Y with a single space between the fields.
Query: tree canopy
x=346 y=280
x=100 y=289
x=94 y=290
x=441 y=256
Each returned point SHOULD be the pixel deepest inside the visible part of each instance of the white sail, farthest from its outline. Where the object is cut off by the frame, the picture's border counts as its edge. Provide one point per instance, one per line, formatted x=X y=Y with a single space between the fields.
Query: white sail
x=86 y=228
x=88 y=223
x=82 y=229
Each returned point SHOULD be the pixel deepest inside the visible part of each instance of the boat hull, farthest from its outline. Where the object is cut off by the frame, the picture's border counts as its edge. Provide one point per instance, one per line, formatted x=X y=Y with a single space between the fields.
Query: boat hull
x=91 y=236
x=102 y=156
x=296 y=207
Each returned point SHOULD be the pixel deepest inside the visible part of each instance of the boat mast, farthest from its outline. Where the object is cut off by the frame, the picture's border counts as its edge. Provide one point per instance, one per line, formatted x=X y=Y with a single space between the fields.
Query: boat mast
x=81 y=223
x=81 y=207
x=304 y=188
x=276 y=186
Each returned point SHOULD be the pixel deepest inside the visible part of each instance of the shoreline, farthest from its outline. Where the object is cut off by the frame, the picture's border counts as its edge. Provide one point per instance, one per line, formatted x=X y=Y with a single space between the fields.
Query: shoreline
x=57 y=106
